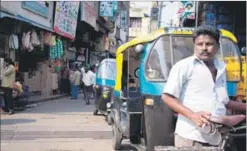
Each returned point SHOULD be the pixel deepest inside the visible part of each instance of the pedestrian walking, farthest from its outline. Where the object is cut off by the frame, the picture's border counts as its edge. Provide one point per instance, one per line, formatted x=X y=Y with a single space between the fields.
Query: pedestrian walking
x=76 y=82
x=65 y=83
x=89 y=82
x=8 y=81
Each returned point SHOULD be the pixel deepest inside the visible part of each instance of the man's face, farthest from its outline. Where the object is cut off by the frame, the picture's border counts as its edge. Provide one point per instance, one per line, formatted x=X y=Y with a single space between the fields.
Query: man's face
x=205 y=47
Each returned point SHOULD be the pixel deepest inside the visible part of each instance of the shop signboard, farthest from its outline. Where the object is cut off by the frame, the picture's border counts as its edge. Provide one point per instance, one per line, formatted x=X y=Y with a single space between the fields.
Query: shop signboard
x=37 y=13
x=66 y=14
x=107 y=8
x=187 y=10
x=39 y=7
x=88 y=13
x=123 y=20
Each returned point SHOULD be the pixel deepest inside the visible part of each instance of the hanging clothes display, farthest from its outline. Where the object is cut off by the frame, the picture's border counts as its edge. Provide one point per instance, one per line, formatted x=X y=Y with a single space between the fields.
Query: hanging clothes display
x=13 y=42
x=56 y=52
x=59 y=48
x=34 y=38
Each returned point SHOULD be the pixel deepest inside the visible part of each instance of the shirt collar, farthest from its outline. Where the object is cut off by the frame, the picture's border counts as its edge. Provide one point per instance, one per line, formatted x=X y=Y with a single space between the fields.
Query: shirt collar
x=219 y=65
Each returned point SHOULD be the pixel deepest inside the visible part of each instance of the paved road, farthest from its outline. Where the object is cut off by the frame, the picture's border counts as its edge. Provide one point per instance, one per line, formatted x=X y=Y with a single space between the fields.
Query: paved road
x=58 y=125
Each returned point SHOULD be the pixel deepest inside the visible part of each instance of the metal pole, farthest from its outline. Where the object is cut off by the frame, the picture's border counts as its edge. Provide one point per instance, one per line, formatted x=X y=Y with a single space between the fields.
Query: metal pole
x=197 y=12
x=160 y=13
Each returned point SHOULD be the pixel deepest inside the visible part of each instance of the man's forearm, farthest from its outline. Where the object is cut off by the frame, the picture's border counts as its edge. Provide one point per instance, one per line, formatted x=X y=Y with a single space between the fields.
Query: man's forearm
x=236 y=106
x=175 y=105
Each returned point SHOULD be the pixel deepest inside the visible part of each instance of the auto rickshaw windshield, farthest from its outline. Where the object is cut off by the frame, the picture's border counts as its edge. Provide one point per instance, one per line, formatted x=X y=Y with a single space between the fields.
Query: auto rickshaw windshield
x=165 y=53
x=107 y=70
x=168 y=50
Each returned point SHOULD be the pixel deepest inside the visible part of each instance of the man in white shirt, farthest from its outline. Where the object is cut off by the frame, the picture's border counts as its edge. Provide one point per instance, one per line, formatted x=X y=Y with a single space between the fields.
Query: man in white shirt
x=196 y=89
x=89 y=81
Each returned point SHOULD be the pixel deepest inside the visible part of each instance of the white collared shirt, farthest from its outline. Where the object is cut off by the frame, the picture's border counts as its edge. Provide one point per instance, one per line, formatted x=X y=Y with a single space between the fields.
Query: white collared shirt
x=89 y=78
x=191 y=82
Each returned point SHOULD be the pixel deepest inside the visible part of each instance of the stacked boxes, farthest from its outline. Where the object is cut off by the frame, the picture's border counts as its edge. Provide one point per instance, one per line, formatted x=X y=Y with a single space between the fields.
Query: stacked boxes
x=43 y=80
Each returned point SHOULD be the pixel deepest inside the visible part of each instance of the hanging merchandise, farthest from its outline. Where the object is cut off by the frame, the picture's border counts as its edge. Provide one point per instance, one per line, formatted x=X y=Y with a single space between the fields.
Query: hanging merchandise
x=56 y=52
x=47 y=38
x=59 y=46
x=53 y=52
x=57 y=65
x=34 y=38
x=26 y=41
x=53 y=41
x=13 y=42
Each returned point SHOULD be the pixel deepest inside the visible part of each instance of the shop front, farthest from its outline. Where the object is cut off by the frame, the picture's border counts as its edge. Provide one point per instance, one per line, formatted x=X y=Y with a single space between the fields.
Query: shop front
x=37 y=45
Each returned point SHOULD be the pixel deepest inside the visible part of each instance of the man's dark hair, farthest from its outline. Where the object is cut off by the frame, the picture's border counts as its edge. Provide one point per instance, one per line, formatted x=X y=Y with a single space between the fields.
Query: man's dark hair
x=207 y=30
x=76 y=66
x=92 y=67
x=8 y=60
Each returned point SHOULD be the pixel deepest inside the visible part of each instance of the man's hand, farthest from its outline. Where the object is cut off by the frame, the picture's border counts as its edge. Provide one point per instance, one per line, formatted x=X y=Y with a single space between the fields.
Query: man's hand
x=199 y=118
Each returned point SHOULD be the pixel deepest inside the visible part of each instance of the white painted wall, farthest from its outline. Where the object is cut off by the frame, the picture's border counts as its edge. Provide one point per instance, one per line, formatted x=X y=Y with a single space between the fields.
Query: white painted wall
x=14 y=7
x=169 y=14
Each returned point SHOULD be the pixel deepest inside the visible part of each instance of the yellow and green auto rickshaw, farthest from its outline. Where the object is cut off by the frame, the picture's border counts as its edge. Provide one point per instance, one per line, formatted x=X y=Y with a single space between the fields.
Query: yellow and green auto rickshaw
x=139 y=114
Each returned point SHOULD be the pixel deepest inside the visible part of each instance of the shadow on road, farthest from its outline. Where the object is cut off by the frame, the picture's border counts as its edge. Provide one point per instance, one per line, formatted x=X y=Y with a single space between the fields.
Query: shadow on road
x=15 y=121
x=127 y=147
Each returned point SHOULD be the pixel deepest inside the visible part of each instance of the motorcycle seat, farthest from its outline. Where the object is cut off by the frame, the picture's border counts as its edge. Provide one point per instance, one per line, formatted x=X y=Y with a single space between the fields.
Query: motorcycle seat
x=231 y=120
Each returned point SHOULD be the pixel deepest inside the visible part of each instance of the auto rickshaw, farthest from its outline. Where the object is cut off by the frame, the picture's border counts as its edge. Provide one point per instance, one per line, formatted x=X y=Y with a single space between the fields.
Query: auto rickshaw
x=142 y=116
x=105 y=82
x=241 y=94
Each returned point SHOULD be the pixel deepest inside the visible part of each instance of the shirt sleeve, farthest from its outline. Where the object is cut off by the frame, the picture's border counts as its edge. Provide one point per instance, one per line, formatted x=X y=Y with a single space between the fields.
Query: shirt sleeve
x=175 y=81
x=93 y=79
x=225 y=96
x=10 y=70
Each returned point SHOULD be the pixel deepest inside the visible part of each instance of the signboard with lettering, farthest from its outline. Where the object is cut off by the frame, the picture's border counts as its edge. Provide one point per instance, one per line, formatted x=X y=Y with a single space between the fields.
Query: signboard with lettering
x=187 y=10
x=123 y=20
x=106 y=9
x=183 y=31
x=39 y=7
x=66 y=14
x=88 y=13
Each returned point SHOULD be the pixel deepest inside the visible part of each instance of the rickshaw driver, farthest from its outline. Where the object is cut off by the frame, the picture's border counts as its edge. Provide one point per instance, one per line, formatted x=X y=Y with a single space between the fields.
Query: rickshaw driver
x=195 y=93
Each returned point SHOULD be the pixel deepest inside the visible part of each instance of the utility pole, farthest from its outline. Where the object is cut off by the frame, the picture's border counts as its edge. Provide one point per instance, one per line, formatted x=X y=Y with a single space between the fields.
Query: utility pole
x=197 y=13
x=160 y=13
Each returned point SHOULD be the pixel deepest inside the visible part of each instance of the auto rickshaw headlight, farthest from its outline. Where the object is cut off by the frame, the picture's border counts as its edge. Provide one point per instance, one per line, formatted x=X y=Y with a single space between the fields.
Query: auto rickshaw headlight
x=105 y=94
x=139 y=48
x=153 y=74
x=149 y=102
x=106 y=89
x=108 y=105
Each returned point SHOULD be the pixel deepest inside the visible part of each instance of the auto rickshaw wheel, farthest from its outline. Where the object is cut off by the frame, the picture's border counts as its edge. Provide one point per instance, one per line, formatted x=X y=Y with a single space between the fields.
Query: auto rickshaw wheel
x=109 y=119
x=117 y=137
x=95 y=112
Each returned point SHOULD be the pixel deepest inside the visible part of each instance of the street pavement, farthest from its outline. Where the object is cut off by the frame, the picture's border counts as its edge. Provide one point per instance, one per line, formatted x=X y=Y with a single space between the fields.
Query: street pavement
x=58 y=125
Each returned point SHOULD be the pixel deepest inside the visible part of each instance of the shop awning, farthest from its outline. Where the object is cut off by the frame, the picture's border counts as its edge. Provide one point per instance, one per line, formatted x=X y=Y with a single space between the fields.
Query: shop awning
x=24 y=19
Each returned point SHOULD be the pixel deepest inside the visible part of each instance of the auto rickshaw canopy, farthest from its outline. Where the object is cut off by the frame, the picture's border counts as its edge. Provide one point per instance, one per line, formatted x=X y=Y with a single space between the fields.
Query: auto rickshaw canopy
x=151 y=37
